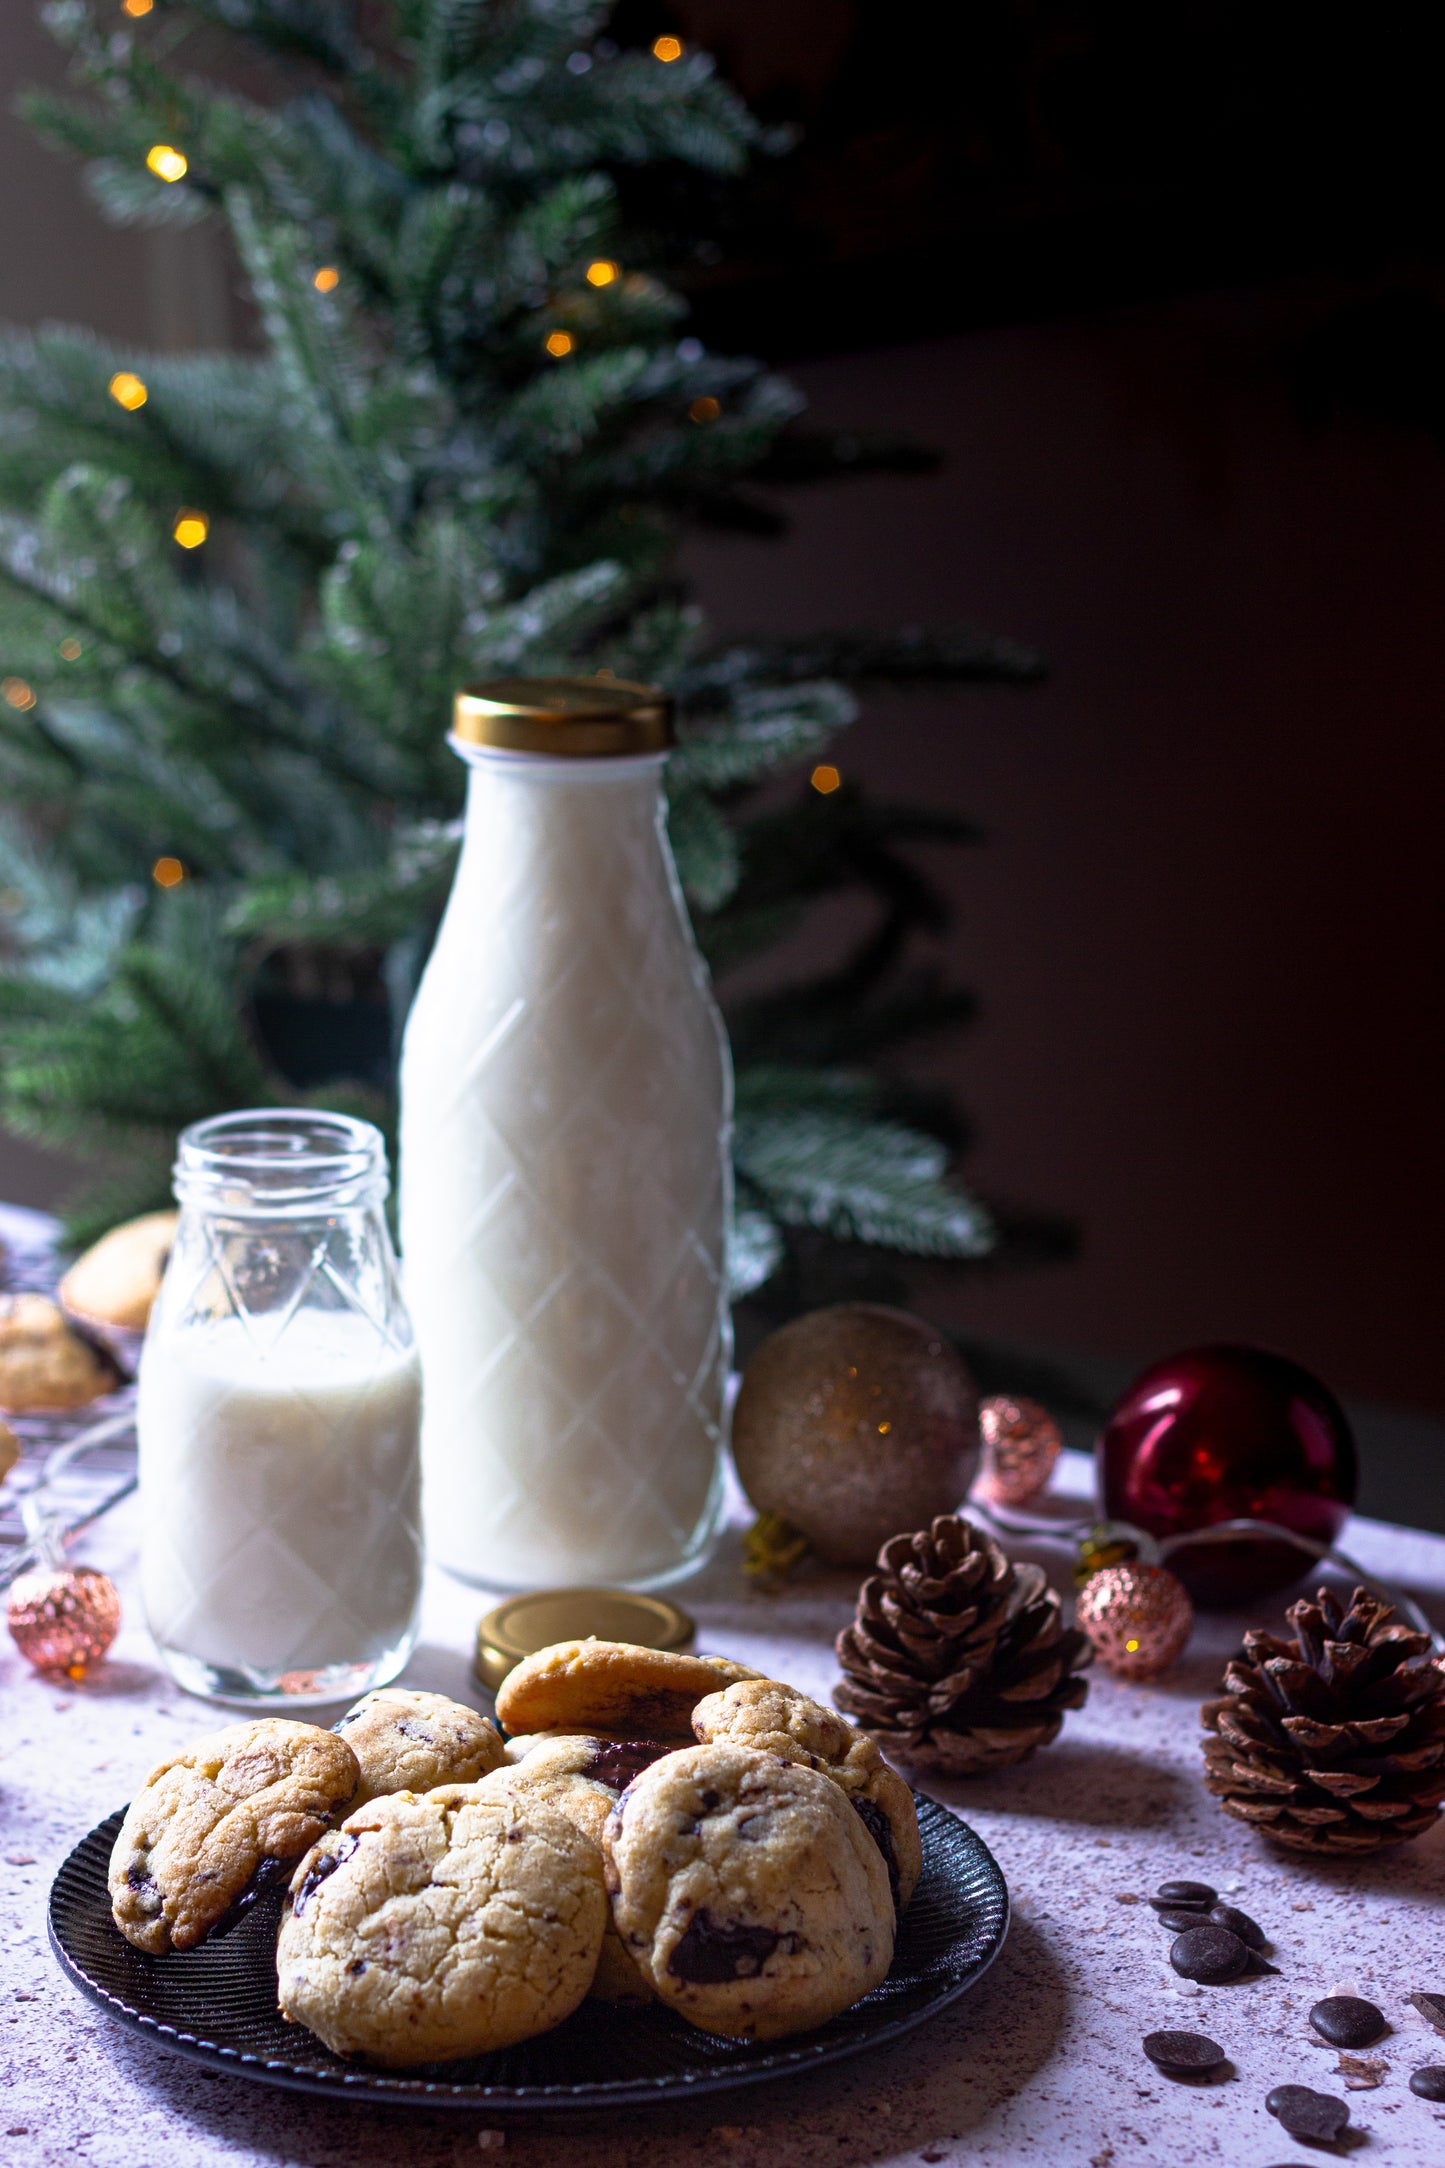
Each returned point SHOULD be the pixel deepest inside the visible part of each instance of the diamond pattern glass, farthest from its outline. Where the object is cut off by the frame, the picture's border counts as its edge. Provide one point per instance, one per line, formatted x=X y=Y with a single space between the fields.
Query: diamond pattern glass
x=278 y=1416
x=566 y=1099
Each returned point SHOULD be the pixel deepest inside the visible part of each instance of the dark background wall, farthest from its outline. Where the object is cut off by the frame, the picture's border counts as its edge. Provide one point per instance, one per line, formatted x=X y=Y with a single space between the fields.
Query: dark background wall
x=1206 y=926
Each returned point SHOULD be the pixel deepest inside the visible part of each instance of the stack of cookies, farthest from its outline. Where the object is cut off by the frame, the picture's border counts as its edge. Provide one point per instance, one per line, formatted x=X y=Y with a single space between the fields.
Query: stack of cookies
x=655 y=1827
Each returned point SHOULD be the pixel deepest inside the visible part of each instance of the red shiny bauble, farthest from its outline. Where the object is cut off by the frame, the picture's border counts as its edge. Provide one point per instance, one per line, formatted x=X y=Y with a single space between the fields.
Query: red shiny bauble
x=1222 y=1434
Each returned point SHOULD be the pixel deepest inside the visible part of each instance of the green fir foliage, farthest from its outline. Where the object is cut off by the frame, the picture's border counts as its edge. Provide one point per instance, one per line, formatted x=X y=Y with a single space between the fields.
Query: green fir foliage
x=453 y=455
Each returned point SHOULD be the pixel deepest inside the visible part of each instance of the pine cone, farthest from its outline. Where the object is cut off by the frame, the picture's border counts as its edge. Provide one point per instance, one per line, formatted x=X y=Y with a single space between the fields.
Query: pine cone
x=958 y=1660
x=1335 y=1741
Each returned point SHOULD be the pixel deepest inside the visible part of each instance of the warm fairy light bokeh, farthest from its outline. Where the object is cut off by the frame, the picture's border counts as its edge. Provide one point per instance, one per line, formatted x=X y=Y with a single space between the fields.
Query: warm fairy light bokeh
x=168 y=873
x=667 y=48
x=559 y=343
x=705 y=409
x=327 y=279
x=71 y=650
x=603 y=272
x=136 y=8
x=17 y=692
x=166 y=162
x=190 y=529
x=128 y=390
x=825 y=778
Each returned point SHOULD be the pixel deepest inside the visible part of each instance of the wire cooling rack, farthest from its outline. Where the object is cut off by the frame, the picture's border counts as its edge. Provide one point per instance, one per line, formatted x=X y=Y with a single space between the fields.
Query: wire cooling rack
x=83 y=1461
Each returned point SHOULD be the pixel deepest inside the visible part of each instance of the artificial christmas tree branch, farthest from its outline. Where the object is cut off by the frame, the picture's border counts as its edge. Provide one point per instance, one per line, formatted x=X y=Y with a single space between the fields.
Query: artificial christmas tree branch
x=238 y=591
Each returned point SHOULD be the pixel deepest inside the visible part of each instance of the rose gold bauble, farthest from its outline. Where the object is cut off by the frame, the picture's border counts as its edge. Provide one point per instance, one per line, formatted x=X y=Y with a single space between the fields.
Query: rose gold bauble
x=63 y=1618
x=854 y=1422
x=1138 y=1618
x=1021 y=1442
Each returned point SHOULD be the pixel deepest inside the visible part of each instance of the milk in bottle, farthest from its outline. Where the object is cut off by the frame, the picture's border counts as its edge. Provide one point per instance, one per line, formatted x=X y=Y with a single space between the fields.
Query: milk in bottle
x=565 y=1185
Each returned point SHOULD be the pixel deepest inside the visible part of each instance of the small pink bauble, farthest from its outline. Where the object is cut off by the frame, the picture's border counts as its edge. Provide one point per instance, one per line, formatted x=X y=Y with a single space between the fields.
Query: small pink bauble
x=1137 y=1617
x=1021 y=1442
x=63 y=1618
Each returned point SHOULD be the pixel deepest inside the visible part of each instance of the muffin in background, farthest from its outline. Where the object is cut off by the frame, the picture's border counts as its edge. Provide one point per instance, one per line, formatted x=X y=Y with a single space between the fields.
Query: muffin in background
x=111 y=1286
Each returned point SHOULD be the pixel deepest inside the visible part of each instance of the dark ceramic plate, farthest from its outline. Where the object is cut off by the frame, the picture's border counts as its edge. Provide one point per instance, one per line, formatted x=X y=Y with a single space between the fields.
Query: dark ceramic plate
x=217 y=2004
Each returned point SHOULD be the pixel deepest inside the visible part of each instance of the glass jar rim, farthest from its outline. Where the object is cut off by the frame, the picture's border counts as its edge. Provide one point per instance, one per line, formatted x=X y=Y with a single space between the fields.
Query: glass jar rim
x=275 y=1161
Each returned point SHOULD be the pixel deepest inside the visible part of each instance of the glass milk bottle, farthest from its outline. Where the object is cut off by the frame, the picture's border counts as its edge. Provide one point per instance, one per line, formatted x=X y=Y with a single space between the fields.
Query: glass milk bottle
x=278 y=1417
x=566 y=1098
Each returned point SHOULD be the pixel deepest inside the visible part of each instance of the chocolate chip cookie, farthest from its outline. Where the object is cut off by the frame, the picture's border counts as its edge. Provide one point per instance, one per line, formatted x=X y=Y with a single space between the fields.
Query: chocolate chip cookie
x=207 y=1823
x=44 y=1364
x=406 y=1741
x=779 y=1720
x=583 y=1778
x=748 y=1890
x=611 y=1686
x=452 y=1924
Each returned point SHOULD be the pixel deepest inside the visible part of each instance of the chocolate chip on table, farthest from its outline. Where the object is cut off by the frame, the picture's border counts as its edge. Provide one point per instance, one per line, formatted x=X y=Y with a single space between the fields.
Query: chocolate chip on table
x=1209 y=1954
x=1239 y=1923
x=1429 y=2083
x=1431 y=2008
x=1185 y=1893
x=1183 y=2054
x=1307 y=2114
x=1179 y=1919
x=1347 y=2021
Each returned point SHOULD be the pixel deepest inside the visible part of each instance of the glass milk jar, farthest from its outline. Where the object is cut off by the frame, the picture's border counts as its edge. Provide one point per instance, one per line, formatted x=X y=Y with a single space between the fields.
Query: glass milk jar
x=278 y=1417
x=566 y=1098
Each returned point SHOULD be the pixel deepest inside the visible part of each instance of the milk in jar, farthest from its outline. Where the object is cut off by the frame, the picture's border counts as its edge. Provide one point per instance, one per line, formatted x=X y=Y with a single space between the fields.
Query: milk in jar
x=565 y=1174
x=278 y=1414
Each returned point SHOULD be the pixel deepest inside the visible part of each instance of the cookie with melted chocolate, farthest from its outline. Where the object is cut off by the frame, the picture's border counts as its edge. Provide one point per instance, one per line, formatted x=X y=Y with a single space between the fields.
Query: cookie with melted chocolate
x=777 y=1719
x=206 y=1823
x=581 y=1776
x=748 y=1890
x=611 y=1686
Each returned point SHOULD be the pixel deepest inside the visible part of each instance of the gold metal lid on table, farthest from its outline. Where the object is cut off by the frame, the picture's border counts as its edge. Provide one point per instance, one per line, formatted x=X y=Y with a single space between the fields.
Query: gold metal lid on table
x=524 y=1623
x=574 y=717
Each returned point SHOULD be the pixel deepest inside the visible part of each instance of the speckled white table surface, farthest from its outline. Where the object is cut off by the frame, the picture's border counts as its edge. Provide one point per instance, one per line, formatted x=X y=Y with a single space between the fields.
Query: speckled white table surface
x=1041 y=2061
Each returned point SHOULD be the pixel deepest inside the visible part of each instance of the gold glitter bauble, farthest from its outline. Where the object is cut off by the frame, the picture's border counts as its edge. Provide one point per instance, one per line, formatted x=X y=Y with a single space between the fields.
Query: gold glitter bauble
x=63 y=1618
x=854 y=1422
x=1138 y=1618
x=1021 y=1442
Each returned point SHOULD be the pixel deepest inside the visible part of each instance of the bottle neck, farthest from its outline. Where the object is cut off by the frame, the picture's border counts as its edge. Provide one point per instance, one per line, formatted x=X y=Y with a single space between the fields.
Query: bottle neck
x=534 y=808
x=550 y=842
x=623 y=772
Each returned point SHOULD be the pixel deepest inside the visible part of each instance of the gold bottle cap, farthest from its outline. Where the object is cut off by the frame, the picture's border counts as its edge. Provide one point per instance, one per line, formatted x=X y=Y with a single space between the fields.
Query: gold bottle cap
x=582 y=717
x=524 y=1623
